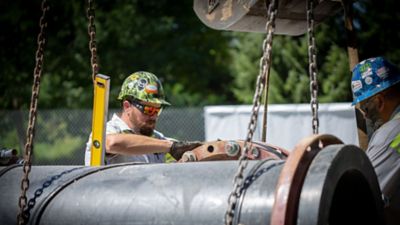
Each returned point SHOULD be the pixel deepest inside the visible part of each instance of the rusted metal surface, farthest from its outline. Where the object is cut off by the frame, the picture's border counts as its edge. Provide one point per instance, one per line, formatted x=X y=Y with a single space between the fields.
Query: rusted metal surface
x=292 y=176
x=251 y=15
x=232 y=149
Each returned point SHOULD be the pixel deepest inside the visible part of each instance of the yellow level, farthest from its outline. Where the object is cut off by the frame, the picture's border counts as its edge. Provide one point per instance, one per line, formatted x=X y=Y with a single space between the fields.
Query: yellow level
x=99 y=117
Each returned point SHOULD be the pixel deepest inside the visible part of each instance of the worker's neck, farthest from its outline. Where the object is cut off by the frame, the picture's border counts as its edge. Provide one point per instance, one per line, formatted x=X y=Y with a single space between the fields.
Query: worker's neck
x=391 y=108
x=125 y=117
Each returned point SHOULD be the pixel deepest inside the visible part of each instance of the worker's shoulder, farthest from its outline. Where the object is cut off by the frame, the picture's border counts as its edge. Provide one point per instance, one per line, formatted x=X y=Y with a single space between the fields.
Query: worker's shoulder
x=391 y=128
x=386 y=133
x=116 y=125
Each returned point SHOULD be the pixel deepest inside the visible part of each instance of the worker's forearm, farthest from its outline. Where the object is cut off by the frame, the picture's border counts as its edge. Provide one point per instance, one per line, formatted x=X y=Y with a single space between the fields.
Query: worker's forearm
x=132 y=144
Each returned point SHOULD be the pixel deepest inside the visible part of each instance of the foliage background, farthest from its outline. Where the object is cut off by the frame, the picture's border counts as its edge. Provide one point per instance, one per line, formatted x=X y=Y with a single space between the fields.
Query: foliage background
x=198 y=66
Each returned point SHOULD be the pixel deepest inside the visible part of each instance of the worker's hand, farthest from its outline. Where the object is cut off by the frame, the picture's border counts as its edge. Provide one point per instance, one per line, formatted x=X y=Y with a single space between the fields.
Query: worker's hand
x=180 y=147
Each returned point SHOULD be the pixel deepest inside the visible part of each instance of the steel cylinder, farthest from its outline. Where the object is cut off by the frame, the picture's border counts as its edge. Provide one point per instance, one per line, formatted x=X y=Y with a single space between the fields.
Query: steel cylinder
x=188 y=193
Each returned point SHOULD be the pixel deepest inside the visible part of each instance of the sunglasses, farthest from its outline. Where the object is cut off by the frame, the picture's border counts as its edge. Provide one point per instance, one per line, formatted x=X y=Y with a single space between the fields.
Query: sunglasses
x=145 y=109
x=366 y=105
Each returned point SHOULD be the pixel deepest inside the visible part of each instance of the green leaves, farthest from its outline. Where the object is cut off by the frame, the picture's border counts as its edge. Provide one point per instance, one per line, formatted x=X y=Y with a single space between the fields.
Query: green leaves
x=198 y=66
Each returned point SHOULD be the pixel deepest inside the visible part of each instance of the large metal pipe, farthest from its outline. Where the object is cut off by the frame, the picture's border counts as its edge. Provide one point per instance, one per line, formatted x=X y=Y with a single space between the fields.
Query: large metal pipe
x=191 y=193
x=251 y=15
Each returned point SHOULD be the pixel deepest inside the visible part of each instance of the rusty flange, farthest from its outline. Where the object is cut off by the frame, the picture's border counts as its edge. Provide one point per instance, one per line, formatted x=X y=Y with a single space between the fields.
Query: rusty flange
x=232 y=149
x=292 y=176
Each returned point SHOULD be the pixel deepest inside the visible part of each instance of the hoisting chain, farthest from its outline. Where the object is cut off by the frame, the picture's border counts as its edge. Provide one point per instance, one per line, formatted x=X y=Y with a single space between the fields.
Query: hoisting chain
x=265 y=64
x=92 y=37
x=212 y=4
x=23 y=216
x=312 y=66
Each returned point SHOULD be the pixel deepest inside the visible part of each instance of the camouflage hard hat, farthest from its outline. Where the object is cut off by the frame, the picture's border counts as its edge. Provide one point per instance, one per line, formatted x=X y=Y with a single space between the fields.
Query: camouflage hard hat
x=143 y=86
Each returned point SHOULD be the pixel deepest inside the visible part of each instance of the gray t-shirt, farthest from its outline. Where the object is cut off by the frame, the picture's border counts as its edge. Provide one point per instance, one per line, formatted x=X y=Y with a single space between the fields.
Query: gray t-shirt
x=117 y=126
x=386 y=162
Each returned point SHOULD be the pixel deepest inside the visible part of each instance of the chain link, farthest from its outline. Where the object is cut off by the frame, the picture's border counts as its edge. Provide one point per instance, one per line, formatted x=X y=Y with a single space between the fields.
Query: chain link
x=212 y=4
x=265 y=64
x=22 y=217
x=92 y=36
x=312 y=66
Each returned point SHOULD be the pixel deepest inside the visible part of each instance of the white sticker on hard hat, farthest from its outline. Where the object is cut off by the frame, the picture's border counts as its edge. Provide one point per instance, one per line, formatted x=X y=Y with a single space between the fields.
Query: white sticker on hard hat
x=382 y=72
x=131 y=84
x=368 y=80
x=356 y=85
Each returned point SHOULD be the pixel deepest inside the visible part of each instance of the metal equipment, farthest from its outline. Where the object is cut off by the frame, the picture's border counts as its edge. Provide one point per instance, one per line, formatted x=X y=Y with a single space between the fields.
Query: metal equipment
x=8 y=156
x=339 y=187
x=321 y=182
x=251 y=16
x=232 y=150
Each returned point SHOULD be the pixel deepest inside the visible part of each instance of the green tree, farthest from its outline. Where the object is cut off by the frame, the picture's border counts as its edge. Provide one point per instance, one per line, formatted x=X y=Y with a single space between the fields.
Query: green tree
x=131 y=35
x=289 y=82
x=198 y=65
x=289 y=79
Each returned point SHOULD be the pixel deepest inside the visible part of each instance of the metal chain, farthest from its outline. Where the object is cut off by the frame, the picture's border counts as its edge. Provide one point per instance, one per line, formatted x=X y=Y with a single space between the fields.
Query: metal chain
x=212 y=4
x=312 y=66
x=92 y=36
x=265 y=64
x=22 y=217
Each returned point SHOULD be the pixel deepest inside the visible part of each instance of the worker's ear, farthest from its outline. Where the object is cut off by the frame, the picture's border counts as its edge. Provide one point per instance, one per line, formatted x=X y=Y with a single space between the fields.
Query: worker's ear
x=380 y=101
x=126 y=104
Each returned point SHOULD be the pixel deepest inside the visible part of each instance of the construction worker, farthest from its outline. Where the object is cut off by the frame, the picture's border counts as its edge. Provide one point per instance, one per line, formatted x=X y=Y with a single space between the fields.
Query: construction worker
x=131 y=134
x=376 y=91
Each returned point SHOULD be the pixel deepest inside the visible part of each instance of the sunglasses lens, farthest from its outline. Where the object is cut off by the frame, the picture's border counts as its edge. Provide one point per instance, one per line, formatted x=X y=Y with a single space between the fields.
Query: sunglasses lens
x=366 y=105
x=148 y=110
x=364 y=108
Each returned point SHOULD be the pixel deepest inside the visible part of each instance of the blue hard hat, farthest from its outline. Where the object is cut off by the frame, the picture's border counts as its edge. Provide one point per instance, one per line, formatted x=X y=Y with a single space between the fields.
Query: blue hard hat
x=372 y=76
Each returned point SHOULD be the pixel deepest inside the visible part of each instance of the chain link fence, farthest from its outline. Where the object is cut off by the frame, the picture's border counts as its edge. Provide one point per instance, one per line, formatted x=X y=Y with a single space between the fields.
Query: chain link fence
x=61 y=134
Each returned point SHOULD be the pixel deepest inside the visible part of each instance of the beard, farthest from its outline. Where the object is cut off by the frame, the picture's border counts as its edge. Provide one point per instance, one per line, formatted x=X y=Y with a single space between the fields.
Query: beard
x=142 y=125
x=373 y=120
x=147 y=129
